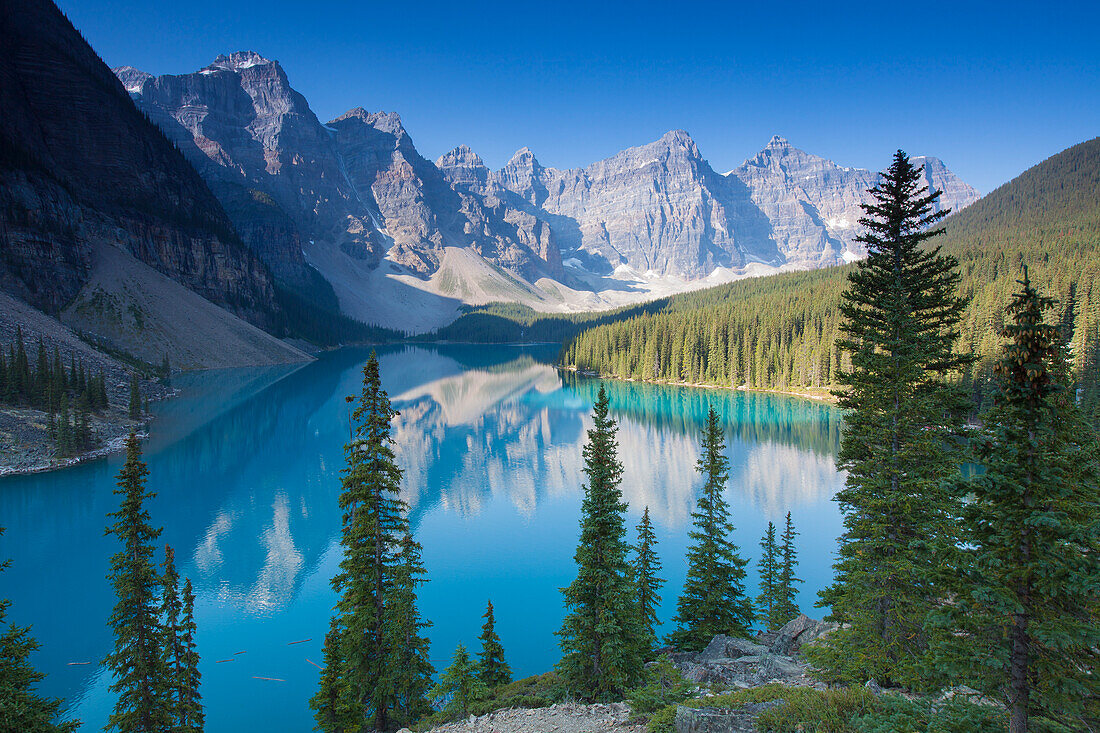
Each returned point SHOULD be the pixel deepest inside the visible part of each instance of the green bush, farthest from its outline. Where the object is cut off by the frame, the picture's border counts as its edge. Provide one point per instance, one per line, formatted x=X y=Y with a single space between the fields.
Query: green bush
x=539 y=691
x=662 y=721
x=896 y=714
x=664 y=686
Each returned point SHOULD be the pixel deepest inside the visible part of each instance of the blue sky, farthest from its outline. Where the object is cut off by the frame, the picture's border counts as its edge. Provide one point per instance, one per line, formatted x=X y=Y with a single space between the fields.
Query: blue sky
x=990 y=88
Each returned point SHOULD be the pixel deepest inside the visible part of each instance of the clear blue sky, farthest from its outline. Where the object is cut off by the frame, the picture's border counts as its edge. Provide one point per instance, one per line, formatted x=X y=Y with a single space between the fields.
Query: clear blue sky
x=990 y=88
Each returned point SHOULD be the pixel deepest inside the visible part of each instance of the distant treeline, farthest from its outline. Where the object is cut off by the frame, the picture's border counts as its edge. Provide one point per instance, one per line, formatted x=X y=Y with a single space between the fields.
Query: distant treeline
x=779 y=332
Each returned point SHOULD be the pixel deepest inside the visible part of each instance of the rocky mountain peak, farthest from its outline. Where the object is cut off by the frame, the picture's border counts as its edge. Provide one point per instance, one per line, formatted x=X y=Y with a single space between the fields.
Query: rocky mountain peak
x=237 y=61
x=460 y=157
x=382 y=121
x=679 y=139
x=778 y=143
x=131 y=78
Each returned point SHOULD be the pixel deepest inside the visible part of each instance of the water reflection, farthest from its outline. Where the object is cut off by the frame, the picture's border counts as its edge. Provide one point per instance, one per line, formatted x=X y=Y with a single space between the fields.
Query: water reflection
x=247 y=469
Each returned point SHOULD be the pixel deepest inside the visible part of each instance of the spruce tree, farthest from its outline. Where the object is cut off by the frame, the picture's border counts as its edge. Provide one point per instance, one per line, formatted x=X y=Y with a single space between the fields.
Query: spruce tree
x=136 y=664
x=191 y=715
x=408 y=656
x=365 y=672
x=902 y=435
x=598 y=636
x=492 y=668
x=786 y=607
x=21 y=707
x=767 y=602
x=644 y=568
x=459 y=687
x=713 y=600
x=1024 y=618
x=172 y=651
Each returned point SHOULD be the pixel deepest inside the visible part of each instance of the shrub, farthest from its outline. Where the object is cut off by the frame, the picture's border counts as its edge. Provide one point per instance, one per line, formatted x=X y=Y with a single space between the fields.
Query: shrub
x=663 y=687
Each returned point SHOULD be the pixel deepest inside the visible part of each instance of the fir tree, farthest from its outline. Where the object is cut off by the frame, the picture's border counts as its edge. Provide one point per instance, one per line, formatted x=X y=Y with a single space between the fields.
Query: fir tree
x=367 y=677
x=21 y=707
x=64 y=429
x=459 y=687
x=902 y=431
x=191 y=715
x=135 y=662
x=408 y=649
x=786 y=607
x=172 y=651
x=1024 y=619
x=492 y=668
x=644 y=567
x=135 y=398
x=767 y=602
x=713 y=600
x=600 y=655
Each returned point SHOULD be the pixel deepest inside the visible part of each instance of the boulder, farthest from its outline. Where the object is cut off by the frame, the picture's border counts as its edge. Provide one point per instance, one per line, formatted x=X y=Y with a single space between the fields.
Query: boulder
x=729 y=647
x=799 y=631
x=712 y=720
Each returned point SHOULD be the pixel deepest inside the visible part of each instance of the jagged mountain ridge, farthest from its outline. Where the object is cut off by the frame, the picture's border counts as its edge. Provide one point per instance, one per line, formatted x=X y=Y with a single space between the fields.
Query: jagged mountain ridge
x=353 y=194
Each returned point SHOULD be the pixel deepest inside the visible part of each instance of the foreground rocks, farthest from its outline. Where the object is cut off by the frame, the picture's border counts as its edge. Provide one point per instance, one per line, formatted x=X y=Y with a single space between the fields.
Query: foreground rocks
x=742 y=663
x=560 y=718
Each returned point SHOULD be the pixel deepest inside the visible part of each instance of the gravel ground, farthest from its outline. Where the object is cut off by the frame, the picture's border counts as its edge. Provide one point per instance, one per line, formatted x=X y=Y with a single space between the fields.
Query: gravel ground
x=560 y=718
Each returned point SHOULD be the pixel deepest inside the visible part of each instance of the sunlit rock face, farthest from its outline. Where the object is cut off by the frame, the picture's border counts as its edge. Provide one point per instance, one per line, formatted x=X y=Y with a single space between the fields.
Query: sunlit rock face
x=657 y=208
x=271 y=162
x=814 y=205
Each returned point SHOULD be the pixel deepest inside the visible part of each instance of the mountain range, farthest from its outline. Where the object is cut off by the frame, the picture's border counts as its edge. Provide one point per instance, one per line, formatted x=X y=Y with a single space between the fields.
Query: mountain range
x=212 y=217
x=405 y=242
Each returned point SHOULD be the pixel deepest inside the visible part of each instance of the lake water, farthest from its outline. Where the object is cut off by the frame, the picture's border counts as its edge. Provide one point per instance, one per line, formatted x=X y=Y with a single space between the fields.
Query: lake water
x=246 y=466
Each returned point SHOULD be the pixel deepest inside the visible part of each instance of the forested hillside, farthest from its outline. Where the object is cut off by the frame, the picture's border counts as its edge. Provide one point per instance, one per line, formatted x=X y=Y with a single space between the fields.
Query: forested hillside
x=779 y=332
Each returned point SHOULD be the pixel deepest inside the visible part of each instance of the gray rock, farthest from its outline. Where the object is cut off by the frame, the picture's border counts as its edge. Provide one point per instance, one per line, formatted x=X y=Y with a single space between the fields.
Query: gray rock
x=729 y=647
x=799 y=631
x=712 y=720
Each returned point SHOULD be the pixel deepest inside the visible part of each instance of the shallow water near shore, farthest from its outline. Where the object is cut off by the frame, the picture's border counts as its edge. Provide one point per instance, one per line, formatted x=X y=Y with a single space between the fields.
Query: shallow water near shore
x=246 y=466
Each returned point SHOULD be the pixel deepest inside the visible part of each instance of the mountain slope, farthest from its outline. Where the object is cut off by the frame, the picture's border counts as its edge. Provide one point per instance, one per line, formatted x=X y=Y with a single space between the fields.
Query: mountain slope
x=79 y=164
x=779 y=332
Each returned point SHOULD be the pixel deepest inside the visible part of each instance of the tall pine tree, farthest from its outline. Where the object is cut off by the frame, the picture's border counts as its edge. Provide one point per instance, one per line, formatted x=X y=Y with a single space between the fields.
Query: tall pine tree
x=191 y=715
x=786 y=607
x=492 y=668
x=713 y=600
x=369 y=675
x=767 y=606
x=644 y=568
x=21 y=707
x=902 y=435
x=136 y=663
x=1024 y=619
x=172 y=645
x=600 y=654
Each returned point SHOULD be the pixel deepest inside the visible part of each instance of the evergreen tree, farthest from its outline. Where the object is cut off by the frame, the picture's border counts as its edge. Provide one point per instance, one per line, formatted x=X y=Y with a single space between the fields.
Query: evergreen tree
x=21 y=707
x=902 y=435
x=136 y=663
x=786 y=607
x=600 y=655
x=767 y=602
x=191 y=715
x=1024 y=620
x=135 y=398
x=172 y=647
x=367 y=677
x=713 y=600
x=644 y=568
x=492 y=668
x=459 y=687
x=408 y=650
x=64 y=429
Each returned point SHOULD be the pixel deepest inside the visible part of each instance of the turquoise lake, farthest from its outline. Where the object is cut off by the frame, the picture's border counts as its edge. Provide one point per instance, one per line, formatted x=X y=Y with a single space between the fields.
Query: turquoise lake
x=246 y=465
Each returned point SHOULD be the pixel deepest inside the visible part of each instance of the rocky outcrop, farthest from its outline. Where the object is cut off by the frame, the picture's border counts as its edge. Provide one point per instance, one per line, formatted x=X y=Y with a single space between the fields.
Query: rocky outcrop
x=79 y=164
x=263 y=151
x=658 y=208
x=814 y=205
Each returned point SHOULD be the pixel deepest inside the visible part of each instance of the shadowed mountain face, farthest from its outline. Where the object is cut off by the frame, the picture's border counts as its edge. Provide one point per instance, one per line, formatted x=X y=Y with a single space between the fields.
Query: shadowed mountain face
x=80 y=166
x=358 y=198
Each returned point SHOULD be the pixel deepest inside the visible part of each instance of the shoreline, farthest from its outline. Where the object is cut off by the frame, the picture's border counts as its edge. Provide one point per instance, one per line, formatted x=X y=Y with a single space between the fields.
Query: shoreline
x=823 y=396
